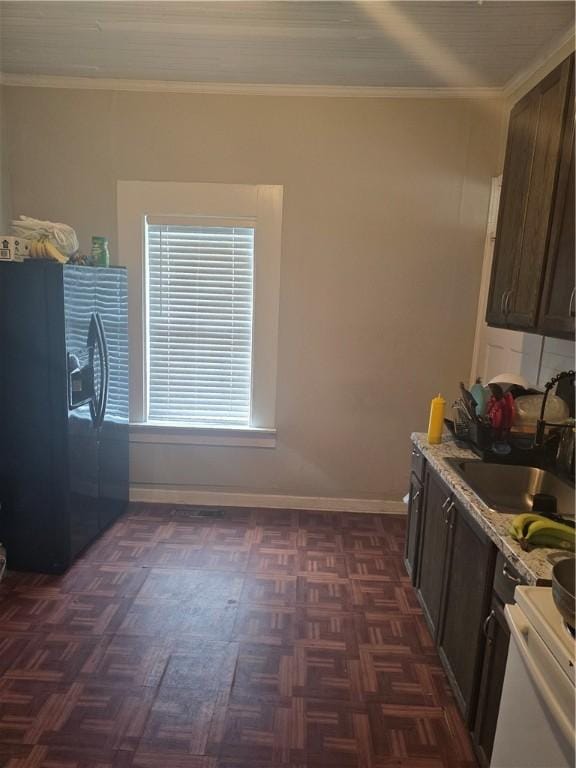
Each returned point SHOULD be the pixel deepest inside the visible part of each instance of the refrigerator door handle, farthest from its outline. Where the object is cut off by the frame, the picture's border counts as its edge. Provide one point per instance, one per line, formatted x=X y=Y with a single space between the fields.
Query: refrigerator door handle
x=95 y=344
x=92 y=343
x=104 y=367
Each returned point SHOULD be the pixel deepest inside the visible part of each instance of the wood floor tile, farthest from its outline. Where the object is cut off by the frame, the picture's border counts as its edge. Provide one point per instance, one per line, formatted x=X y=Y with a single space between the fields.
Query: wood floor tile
x=269 y=589
x=87 y=614
x=179 y=722
x=104 y=580
x=271 y=672
x=322 y=564
x=226 y=638
x=54 y=658
x=375 y=566
x=127 y=661
x=97 y=716
x=319 y=591
x=143 y=759
x=269 y=625
x=12 y=645
x=41 y=756
x=27 y=613
x=330 y=629
x=266 y=559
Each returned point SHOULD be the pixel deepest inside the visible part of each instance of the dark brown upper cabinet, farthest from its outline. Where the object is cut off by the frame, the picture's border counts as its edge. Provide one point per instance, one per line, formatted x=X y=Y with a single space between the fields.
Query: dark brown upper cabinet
x=534 y=233
x=557 y=307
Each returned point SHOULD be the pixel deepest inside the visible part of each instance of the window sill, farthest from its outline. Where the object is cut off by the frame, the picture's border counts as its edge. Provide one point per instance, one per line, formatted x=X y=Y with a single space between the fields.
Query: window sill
x=161 y=434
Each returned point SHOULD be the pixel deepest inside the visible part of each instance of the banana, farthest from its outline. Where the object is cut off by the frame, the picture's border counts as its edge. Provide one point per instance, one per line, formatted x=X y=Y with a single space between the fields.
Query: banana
x=520 y=524
x=51 y=252
x=537 y=531
x=552 y=534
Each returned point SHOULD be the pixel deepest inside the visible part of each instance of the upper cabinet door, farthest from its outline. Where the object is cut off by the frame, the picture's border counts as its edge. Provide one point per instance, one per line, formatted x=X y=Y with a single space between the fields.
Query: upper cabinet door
x=513 y=204
x=557 y=308
x=535 y=138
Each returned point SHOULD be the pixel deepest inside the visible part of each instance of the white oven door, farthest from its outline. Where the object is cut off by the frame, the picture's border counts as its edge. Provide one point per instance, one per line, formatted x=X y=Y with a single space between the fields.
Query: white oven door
x=536 y=721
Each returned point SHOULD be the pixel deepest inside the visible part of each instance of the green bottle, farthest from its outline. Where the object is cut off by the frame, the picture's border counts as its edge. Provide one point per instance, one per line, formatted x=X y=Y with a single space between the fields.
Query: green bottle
x=100 y=253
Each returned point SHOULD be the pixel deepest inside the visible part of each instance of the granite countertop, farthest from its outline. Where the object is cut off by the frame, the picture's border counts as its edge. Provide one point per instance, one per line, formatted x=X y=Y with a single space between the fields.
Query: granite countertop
x=535 y=566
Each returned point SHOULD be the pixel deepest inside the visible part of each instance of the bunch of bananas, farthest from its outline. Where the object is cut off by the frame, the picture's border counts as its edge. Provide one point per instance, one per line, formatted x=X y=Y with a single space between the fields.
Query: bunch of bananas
x=532 y=530
x=44 y=249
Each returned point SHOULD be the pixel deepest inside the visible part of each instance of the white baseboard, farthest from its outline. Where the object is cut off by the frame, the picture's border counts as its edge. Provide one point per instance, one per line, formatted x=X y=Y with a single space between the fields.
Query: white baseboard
x=164 y=495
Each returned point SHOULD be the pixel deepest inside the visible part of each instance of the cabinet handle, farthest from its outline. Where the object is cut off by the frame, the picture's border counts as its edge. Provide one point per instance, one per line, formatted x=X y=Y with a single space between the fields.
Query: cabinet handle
x=446 y=502
x=507 y=302
x=571 y=305
x=502 y=302
x=446 y=515
x=486 y=626
x=416 y=495
x=510 y=576
x=414 y=452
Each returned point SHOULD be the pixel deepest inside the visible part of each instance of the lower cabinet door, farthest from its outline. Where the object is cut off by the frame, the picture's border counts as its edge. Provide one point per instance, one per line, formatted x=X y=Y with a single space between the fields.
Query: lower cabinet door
x=432 y=548
x=415 y=499
x=491 y=681
x=465 y=605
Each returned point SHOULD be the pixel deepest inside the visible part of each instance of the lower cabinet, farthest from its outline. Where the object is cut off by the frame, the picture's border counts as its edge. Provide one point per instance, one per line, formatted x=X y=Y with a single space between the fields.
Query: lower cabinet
x=466 y=596
x=455 y=575
x=415 y=499
x=432 y=550
x=491 y=681
x=463 y=583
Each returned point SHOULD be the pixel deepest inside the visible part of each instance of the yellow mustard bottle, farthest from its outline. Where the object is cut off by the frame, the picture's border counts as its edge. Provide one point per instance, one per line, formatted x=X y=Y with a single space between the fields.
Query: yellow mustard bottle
x=436 y=423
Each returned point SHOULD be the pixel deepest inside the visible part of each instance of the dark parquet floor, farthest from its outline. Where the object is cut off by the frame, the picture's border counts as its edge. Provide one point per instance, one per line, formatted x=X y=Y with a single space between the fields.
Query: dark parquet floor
x=254 y=639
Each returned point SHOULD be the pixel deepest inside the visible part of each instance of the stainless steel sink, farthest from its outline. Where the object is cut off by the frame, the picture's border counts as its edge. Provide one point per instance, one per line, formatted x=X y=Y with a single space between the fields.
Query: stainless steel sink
x=510 y=488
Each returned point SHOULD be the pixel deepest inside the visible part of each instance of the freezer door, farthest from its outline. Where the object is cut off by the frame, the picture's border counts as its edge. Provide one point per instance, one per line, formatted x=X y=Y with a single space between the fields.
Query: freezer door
x=33 y=418
x=83 y=389
x=112 y=312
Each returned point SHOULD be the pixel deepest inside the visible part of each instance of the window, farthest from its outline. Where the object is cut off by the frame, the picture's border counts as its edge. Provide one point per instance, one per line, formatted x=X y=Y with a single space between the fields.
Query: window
x=203 y=276
x=199 y=334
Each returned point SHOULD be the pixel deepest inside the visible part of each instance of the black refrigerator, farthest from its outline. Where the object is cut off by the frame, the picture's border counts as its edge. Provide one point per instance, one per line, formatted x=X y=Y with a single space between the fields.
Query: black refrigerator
x=63 y=409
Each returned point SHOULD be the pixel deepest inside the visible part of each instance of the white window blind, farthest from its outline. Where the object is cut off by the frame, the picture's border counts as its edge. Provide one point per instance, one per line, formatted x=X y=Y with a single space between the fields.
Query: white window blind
x=199 y=345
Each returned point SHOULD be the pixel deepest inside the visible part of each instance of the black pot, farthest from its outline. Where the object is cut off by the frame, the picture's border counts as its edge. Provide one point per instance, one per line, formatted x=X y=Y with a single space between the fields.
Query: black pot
x=563 y=576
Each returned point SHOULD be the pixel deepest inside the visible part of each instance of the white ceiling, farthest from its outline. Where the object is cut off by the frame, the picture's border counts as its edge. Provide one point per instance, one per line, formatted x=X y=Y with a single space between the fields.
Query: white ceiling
x=405 y=44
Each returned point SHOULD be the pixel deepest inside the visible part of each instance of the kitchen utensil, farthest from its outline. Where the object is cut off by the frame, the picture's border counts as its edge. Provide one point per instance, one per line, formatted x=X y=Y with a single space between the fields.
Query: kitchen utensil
x=462 y=421
x=563 y=588
x=505 y=380
x=469 y=402
x=478 y=392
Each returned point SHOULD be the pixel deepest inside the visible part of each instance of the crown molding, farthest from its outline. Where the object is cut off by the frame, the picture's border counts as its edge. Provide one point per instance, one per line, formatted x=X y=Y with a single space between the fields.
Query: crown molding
x=553 y=55
x=245 y=89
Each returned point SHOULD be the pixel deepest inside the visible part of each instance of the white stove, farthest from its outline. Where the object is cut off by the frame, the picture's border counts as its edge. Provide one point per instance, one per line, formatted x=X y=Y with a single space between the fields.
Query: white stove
x=536 y=719
x=538 y=606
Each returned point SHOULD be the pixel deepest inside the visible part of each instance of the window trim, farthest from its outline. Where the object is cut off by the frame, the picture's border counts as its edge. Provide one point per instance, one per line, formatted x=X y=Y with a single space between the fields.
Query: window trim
x=262 y=204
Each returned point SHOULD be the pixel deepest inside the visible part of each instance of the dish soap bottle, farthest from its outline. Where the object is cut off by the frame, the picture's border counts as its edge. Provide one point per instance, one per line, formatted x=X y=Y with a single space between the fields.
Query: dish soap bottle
x=436 y=423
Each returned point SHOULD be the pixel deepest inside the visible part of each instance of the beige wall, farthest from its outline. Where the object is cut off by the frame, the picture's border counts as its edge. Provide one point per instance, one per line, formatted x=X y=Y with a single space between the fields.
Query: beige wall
x=4 y=191
x=385 y=205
